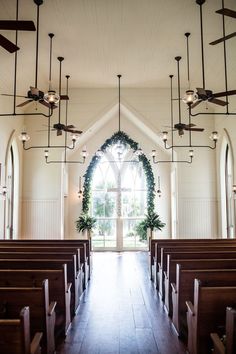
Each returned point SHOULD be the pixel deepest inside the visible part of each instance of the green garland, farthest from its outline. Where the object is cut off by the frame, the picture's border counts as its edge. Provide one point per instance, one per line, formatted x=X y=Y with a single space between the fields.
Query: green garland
x=124 y=139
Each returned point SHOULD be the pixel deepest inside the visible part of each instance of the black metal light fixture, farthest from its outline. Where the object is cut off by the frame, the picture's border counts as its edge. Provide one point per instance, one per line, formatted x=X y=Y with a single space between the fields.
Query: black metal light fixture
x=120 y=147
x=165 y=134
x=74 y=135
x=189 y=128
x=38 y=4
x=51 y=97
x=24 y=137
x=158 y=186
x=80 y=192
x=204 y=94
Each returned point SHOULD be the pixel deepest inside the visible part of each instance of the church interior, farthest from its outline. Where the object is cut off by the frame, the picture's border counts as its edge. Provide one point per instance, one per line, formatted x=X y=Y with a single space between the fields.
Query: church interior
x=118 y=176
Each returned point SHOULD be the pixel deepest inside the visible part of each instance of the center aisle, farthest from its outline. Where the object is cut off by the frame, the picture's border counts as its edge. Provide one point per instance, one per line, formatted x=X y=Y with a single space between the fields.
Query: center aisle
x=120 y=311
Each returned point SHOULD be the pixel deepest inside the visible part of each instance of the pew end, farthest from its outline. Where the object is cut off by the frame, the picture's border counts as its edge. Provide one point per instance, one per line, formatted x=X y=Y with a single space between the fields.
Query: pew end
x=219 y=347
x=15 y=335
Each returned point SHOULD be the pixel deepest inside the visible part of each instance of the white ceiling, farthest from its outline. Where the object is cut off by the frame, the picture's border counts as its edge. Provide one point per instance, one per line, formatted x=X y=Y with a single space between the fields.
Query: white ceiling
x=102 y=38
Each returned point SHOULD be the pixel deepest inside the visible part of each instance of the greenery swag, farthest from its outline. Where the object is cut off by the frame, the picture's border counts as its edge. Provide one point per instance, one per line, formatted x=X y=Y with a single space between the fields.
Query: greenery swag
x=123 y=138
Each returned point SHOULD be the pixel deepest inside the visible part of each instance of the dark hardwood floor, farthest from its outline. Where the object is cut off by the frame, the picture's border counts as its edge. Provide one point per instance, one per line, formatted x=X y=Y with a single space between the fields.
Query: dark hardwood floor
x=120 y=311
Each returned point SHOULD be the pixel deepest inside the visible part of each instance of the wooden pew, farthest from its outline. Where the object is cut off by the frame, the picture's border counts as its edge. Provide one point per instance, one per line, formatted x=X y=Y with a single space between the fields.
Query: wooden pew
x=49 y=264
x=207 y=314
x=156 y=244
x=42 y=314
x=183 y=290
x=229 y=345
x=81 y=265
x=184 y=251
x=80 y=256
x=166 y=288
x=58 y=243
x=59 y=290
x=15 y=335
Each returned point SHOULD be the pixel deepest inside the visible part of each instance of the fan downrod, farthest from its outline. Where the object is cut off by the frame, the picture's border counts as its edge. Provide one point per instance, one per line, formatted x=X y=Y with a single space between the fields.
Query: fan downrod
x=200 y=2
x=38 y=2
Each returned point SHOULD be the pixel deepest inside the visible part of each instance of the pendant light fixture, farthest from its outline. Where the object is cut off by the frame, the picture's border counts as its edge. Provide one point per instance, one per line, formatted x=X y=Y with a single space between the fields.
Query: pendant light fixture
x=59 y=127
x=74 y=134
x=120 y=147
x=165 y=134
x=203 y=94
x=30 y=95
x=188 y=127
x=190 y=96
x=51 y=97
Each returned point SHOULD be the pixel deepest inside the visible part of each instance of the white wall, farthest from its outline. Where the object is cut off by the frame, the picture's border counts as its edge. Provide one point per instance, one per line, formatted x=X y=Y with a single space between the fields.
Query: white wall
x=144 y=113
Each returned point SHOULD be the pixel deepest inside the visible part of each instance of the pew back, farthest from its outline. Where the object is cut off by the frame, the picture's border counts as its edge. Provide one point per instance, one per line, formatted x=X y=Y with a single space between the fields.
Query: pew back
x=208 y=314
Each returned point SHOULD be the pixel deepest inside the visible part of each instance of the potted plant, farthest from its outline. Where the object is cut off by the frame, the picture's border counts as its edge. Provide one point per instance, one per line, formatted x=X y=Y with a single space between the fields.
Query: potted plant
x=151 y=221
x=85 y=223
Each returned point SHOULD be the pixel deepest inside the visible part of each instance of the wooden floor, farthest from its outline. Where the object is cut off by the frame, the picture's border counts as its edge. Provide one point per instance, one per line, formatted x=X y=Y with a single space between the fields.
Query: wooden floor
x=120 y=311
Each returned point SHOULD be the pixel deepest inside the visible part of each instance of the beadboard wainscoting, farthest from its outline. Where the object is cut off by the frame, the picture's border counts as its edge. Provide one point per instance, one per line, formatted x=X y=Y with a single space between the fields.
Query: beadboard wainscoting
x=197 y=218
x=41 y=219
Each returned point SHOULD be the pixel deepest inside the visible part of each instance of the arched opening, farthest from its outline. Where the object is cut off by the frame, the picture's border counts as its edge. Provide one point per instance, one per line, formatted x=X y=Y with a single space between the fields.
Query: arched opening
x=119 y=191
x=227 y=198
x=11 y=207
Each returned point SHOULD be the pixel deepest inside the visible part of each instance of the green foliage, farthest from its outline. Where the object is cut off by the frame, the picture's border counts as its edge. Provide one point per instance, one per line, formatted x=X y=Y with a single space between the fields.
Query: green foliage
x=124 y=139
x=152 y=221
x=141 y=230
x=85 y=222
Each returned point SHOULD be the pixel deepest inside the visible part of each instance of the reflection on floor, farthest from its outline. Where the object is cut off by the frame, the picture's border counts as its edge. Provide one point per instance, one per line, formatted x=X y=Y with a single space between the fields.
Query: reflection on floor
x=120 y=311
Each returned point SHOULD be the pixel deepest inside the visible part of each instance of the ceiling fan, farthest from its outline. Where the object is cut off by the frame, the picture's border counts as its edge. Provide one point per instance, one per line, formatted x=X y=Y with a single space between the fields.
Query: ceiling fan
x=181 y=127
x=204 y=94
x=59 y=127
x=34 y=94
x=14 y=25
x=225 y=12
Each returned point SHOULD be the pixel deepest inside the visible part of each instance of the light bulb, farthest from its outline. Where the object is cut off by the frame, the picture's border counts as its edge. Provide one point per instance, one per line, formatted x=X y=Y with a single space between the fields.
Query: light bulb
x=24 y=137
x=164 y=136
x=191 y=153
x=51 y=97
x=190 y=97
x=84 y=153
x=214 y=136
x=99 y=153
x=139 y=152
x=153 y=153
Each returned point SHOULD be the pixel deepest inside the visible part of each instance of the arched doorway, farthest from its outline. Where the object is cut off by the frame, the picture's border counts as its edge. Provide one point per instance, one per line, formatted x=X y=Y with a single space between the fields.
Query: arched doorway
x=11 y=205
x=226 y=183
x=119 y=191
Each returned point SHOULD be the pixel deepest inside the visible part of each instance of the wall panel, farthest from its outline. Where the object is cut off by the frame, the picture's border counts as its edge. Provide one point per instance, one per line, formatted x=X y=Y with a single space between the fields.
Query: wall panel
x=40 y=219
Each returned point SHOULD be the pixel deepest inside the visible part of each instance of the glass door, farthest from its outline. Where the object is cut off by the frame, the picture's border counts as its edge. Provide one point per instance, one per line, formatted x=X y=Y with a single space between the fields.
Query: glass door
x=118 y=200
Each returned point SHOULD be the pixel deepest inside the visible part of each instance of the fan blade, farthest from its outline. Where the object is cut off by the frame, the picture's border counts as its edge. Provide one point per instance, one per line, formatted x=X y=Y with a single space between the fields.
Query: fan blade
x=17 y=25
x=219 y=102
x=222 y=39
x=64 y=97
x=201 y=91
x=190 y=125
x=227 y=12
x=195 y=104
x=34 y=91
x=225 y=93
x=59 y=132
x=77 y=131
x=195 y=129
x=8 y=45
x=24 y=103
x=48 y=105
x=10 y=95
x=71 y=126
